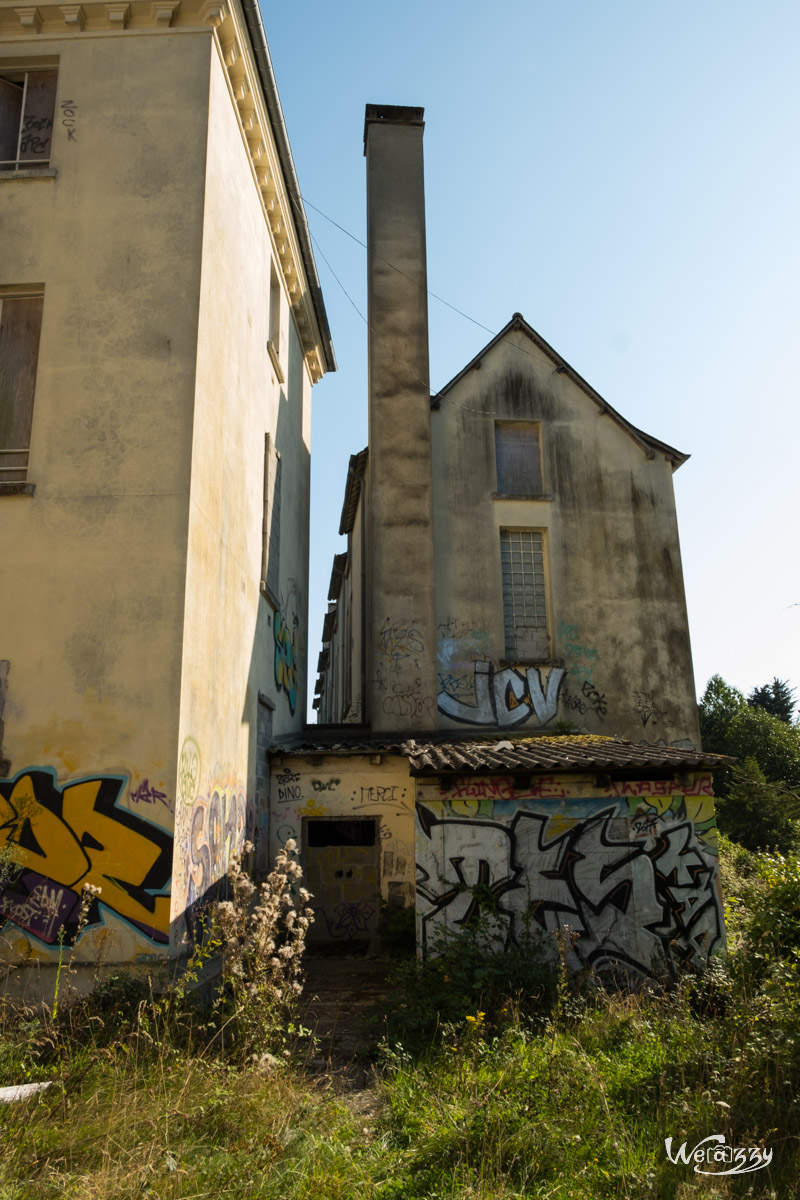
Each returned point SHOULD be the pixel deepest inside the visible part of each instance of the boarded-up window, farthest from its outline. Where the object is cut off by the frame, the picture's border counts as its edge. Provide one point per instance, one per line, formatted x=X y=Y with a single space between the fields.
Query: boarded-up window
x=524 y=595
x=20 y=325
x=519 y=460
x=271 y=529
x=27 y=102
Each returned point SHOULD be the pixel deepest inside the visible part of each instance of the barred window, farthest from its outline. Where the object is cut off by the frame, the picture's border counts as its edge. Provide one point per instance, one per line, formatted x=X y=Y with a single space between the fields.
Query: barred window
x=518 y=458
x=524 y=595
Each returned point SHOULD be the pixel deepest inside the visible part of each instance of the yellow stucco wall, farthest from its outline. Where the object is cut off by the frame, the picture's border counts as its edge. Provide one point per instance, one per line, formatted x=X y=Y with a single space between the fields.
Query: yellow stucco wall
x=232 y=632
x=99 y=552
x=349 y=786
x=140 y=664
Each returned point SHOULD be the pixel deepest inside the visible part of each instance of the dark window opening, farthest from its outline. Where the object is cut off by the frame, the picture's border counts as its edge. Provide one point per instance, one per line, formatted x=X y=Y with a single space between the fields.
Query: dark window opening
x=27 y=103
x=341 y=833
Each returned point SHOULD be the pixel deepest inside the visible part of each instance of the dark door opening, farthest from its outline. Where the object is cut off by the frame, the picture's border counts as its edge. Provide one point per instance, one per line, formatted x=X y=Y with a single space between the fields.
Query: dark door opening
x=341 y=869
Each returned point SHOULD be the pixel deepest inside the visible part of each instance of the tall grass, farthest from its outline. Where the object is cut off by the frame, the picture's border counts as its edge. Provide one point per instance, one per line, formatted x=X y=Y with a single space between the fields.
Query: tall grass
x=547 y=1087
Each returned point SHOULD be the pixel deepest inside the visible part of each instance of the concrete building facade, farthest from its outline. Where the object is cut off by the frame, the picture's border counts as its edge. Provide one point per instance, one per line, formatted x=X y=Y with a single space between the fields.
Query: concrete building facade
x=508 y=620
x=161 y=328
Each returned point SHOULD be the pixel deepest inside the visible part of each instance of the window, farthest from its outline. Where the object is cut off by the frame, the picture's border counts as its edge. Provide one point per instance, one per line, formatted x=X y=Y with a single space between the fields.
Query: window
x=20 y=325
x=271 y=527
x=524 y=595
x=274 y=343
x=27 y=101
x=519 y=460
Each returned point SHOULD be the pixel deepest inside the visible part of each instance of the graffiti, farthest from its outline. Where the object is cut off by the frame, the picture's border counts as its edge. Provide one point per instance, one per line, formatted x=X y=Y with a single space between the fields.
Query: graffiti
x=286 y=669
x=452 y=627
x=31 y=141
x=407 y=702
x=372 y=796
x=285 y=832
x=145 y=794
x=68 y=108
x=188 y=771
x=61 y=839
x=701 y=786
x=588 y=700
x=325 y=785
x=218 y=830
x=312 y=809
x=507 y=697
x=400 y=644
x=349 y=918
x=581 y=659
x=456 y=685
x=501 y=787
x=629 y=901
x=644 y=705
x=289 y=788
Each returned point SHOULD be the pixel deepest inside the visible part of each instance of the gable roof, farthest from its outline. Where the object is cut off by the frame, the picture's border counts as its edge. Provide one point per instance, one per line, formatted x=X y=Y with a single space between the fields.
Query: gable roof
x=650 y=446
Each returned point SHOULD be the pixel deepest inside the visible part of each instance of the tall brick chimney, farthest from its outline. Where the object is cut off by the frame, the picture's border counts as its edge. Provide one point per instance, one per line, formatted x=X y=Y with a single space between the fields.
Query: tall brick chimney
x=401 y=681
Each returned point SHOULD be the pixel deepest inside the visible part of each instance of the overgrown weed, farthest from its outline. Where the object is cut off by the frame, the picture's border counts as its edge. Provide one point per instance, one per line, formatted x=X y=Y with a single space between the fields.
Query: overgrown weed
x=536 y=1083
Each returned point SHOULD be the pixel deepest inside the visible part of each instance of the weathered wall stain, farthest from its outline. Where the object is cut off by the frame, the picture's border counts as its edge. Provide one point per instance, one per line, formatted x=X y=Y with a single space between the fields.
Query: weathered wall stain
x=507 y=697
x=635 y=880
x=63 y=838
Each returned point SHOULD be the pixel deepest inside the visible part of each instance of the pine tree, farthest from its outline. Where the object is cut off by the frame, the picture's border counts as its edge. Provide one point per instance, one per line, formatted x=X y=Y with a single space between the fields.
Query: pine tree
x=776 y=697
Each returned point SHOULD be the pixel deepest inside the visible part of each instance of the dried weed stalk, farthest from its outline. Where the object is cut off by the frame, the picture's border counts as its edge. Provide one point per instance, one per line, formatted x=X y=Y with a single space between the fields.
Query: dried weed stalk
x=262 y=932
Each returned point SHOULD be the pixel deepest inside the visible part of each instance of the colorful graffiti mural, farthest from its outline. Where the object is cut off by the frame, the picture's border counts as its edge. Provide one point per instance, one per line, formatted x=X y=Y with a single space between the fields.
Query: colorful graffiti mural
x=634 y=880
x=285 y=660
x=217 y=832
x=506 y=697
x=60 y=839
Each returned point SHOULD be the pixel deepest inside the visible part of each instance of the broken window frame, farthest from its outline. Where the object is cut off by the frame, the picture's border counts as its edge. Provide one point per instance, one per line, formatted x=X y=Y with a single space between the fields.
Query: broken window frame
x=21 y=132
x=20 y=317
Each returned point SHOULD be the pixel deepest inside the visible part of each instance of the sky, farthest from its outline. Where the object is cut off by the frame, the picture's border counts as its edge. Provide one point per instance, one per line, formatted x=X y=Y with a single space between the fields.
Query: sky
x=626 y=175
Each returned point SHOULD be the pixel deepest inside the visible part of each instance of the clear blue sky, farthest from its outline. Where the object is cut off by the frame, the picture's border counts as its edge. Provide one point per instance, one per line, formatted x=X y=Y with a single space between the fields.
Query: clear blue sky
x=626 y=175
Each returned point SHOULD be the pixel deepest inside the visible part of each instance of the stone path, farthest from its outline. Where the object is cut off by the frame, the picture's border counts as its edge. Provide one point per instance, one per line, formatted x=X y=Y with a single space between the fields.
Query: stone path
x=341 y=997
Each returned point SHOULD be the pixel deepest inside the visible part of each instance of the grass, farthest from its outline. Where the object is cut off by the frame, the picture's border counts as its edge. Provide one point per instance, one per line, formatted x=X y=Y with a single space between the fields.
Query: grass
x=553 y=1088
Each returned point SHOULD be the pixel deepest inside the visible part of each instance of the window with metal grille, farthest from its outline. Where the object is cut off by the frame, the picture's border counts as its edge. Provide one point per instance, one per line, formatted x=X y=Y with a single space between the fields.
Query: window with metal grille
x=20 y=325
x=518 y=458
x=27 y=102
x=524 y=595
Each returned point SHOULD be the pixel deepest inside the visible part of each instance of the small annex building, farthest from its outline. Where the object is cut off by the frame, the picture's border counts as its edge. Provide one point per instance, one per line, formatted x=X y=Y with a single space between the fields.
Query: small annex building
x=508 y=724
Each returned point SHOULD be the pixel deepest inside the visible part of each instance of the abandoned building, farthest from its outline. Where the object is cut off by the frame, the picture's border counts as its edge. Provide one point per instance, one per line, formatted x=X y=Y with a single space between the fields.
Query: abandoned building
x=508 y=726
x=161 y=328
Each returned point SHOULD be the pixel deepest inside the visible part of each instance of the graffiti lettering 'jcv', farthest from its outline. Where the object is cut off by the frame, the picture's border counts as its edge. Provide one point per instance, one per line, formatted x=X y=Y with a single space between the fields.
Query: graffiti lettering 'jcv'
x=285 y=660
x=60 y=839
x=507 y=697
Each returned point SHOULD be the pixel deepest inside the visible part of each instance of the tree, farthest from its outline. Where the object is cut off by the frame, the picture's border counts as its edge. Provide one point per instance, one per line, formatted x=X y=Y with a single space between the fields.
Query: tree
x=776 y=698
x=756 y=813
x=729 y=725
x=718 y=707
